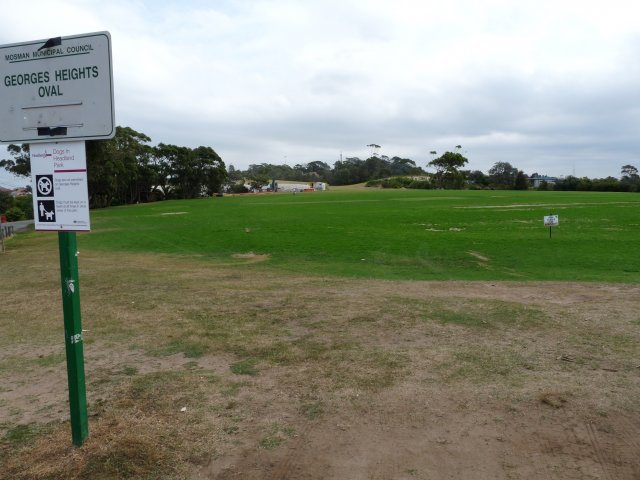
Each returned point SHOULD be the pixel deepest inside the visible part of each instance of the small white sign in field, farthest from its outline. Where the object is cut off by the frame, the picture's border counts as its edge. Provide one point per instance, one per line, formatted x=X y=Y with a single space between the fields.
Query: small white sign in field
x=551 y=221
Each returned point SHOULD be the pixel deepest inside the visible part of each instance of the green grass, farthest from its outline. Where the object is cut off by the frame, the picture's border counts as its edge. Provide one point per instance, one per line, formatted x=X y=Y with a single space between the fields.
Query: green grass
x=245 y=367
x=484 y=314
x=191 y=349
x=21 y=434
x=399 y=234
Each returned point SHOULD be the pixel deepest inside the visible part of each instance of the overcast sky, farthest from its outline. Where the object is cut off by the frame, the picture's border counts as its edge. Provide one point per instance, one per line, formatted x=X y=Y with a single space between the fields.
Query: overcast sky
x=549 y=86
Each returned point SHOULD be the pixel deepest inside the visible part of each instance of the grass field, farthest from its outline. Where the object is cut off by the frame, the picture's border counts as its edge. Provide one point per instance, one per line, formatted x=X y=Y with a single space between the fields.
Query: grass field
x=320 y=336
x=427 y=235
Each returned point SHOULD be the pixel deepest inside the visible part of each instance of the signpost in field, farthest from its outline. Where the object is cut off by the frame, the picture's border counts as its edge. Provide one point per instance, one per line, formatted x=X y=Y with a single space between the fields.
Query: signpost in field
x=551 y=221
x=55 y=94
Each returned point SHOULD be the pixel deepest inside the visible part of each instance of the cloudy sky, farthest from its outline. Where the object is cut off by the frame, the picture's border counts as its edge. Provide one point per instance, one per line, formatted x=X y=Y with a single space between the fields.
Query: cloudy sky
x=549 y=86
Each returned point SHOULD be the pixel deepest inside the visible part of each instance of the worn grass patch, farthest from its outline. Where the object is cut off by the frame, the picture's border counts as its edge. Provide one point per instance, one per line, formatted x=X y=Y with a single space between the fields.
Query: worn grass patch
x=485 y=314
x=483 y=364
x=129 y=435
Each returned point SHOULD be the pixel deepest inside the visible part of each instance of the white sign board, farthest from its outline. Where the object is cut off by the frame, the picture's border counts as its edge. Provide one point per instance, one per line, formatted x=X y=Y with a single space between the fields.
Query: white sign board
x=551 y=221
x=59 y=186
x=58 y=89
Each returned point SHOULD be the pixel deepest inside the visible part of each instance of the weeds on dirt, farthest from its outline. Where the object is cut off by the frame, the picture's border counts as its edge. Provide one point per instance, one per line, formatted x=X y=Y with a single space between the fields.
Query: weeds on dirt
x=313 y=410
x=277 y=434
x=140 y=433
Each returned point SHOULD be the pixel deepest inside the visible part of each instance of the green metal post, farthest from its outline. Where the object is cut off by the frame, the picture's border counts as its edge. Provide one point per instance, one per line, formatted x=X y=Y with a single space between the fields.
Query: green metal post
x=73 y=336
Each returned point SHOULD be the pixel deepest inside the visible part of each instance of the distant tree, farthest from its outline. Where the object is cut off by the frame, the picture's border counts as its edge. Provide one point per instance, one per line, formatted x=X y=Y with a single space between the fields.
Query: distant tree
x=374 y=149
x=234 y=175
x=376 y=167
x=522 y=181
x=20 y=164
x=6 y=201
x=543 y=186
x=478 y=178
x=196 y=172
x=447 y=167
x=404 y=166
x=503 y=175
x=317 y=167
x=571 y=183
x=608 y=184
x=630 y=181
x=348 y=172
x=629 y=171
x=112 y=167
x=258 y=181
x=238 y=187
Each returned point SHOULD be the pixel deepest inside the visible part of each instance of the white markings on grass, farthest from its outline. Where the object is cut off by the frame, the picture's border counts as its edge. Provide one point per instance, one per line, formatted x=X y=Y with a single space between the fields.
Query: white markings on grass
x=557 y=205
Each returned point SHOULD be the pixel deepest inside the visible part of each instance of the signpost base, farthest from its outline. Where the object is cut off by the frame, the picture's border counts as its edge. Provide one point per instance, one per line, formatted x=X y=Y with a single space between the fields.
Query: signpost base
x=73 y=336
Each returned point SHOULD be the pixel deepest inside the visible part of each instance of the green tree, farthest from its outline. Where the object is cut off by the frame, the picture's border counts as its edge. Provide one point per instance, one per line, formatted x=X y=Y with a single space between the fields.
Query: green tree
x=522 y=181
x=15 y=214
x=630 y=180
x=113 y=168
x=503 y=175
x=478 y=178
x=404 y=166
x=20 y=164
x=448 y=174
x=257 y=181
x=212 y=169
x=6 y=201
x=234 y=175
x=318 y=167
x=194 y=173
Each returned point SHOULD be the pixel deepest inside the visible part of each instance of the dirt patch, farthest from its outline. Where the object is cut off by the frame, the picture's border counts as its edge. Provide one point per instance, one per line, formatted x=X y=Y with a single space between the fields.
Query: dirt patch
x=348 y=378
x=251 y=257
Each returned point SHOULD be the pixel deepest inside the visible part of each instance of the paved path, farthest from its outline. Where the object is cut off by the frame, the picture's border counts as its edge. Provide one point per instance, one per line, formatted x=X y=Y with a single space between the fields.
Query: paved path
x=18 y=226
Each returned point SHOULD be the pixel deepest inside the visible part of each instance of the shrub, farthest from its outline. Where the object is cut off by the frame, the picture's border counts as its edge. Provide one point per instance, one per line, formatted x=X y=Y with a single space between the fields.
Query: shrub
x=25 y=203
x=421 y=184
x=391 y=182
x=238 y=188
x=14 y=214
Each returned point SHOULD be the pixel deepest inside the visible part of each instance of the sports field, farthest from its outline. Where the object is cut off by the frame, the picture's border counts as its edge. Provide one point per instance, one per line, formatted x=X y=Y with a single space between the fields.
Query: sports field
x=394 y=234
x=350 y=334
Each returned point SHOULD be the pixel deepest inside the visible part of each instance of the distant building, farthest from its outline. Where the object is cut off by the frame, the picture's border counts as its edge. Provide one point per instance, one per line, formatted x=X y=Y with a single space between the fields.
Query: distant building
x=287 y=186
x=536 y=180
x=20 y=192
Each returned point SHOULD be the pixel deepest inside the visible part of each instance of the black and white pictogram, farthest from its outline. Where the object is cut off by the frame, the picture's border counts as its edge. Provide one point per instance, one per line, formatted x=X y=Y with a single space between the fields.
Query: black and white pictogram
x=44 y=185
x=46 y=211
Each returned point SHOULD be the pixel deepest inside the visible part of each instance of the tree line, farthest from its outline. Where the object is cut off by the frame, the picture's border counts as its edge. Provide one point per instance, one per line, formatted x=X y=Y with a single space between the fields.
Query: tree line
x=127 y=169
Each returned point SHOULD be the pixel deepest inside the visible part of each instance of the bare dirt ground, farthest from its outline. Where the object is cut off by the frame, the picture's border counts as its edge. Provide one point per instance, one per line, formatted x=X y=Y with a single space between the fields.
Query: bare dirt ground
x=207 y=372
